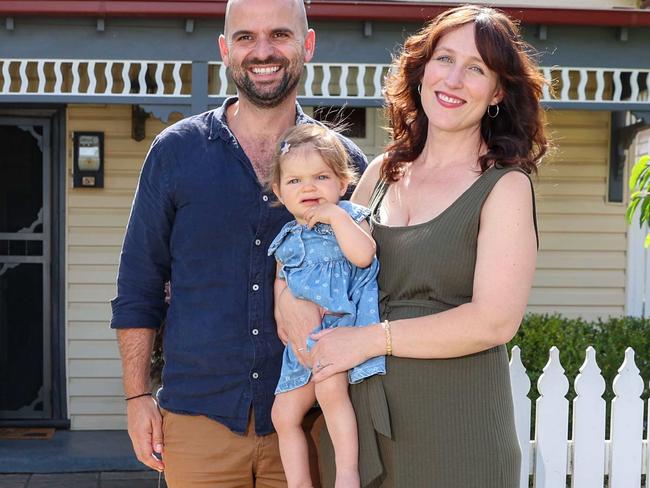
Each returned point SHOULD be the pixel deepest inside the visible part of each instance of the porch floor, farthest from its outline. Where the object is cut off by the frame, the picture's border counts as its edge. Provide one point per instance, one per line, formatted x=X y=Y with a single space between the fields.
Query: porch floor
x=113 y=479
x=70 y=452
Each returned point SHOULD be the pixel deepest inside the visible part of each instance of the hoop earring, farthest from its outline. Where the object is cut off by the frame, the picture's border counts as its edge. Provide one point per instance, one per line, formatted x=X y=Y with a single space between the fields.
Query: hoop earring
x=496 y=114
x=420 y=89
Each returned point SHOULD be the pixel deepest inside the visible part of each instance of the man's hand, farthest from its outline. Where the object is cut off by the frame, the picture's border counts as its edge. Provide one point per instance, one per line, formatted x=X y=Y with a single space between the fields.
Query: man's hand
x=145 y=431
x=298 y=319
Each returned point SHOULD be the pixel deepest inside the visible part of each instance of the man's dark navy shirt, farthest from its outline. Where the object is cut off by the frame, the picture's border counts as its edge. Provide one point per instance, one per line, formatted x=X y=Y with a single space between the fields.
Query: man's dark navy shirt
x=201 y=219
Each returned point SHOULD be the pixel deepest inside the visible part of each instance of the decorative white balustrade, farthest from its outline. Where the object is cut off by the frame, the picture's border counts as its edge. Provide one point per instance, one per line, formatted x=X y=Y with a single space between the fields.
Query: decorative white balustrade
x=93 y=78
x=358 y=82
x=599 y=85
x=320 y=81
x=588 y=456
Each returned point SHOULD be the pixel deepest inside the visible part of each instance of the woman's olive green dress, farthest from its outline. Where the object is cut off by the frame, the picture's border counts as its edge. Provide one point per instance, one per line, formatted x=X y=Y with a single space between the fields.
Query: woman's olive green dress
x=439 y=423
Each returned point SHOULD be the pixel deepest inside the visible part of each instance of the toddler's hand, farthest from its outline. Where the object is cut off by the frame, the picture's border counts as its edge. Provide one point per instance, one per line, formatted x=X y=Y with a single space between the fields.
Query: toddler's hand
x=325 y=213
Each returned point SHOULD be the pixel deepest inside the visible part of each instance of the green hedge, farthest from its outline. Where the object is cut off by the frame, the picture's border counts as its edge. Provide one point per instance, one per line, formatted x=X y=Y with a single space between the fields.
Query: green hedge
x=610 y=338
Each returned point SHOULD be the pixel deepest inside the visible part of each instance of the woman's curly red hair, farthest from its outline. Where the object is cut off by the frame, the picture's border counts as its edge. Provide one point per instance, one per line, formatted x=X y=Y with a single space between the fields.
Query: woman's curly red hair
x=515 y=137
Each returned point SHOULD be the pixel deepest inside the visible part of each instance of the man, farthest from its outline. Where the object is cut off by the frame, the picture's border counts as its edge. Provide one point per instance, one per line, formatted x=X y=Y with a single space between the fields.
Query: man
x=202 y=219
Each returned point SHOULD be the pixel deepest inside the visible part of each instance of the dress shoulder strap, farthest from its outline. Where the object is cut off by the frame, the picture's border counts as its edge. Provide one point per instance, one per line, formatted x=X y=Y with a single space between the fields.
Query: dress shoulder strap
x=378 y=193
x=492 y=176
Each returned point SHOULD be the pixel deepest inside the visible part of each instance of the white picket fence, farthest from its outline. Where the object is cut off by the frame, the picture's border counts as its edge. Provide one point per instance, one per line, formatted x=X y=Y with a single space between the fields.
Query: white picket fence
x=622 y=455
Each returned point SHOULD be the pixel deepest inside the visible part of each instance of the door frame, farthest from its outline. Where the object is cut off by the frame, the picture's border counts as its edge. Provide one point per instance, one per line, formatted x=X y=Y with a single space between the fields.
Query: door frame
x=56 y=115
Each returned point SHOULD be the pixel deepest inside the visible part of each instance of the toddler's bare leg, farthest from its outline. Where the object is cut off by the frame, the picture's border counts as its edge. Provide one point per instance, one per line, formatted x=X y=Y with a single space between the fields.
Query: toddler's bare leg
x=288 y=411
x=332 y=395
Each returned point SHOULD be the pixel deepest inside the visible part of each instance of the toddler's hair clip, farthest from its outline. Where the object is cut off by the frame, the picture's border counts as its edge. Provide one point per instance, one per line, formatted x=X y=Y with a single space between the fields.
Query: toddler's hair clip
x=284 y=147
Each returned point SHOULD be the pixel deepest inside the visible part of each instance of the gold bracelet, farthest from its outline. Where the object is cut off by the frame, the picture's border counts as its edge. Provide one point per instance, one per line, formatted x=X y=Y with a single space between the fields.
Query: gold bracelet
x=389 y=338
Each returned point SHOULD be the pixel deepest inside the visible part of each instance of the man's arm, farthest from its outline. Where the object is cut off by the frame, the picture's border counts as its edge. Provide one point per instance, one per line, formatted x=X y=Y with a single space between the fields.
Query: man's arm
x=135 y=348
x=295 y=319
x=139 y=307
x=144 y=420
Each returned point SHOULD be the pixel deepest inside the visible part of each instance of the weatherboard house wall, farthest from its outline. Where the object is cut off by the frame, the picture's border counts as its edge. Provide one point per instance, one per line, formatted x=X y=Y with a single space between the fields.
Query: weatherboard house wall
x=170 y=68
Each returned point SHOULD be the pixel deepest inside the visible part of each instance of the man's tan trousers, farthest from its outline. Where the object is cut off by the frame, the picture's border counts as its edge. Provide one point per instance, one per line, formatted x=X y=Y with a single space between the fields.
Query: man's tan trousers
x=201 y=453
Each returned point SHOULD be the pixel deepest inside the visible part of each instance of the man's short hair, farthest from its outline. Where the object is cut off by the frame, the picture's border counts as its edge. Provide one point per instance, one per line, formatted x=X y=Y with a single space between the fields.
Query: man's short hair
x=302 y=13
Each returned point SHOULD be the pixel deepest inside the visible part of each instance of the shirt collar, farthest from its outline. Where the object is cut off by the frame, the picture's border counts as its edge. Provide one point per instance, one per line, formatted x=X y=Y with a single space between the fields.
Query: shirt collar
x=219 y=126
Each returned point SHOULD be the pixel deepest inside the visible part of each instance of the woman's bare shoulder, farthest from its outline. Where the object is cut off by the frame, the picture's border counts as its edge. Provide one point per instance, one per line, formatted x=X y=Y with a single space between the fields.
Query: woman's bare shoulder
x=513 y=186
x=511 y=200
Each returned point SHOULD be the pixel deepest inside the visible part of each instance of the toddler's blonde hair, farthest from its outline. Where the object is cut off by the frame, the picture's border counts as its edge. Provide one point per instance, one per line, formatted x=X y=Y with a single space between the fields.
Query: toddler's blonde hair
x=323 y=140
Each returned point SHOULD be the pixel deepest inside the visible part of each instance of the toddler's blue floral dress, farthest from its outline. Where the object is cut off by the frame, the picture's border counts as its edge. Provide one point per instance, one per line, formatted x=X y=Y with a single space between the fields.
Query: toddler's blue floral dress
x=316 y=269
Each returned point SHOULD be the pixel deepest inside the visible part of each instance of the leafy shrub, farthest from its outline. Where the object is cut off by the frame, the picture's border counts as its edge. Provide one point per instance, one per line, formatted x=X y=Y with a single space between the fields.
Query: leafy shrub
x=610 y=338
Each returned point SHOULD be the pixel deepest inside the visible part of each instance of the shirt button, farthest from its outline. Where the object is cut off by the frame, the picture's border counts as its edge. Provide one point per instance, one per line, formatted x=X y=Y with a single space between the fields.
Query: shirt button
x=257 y=242
x=255 y=331
x=256 y=287
x=265 y=198
x=255 y=375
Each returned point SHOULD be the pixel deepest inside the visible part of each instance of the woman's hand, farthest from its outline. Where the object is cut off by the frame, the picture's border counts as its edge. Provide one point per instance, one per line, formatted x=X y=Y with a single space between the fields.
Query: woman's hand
x=340 y=349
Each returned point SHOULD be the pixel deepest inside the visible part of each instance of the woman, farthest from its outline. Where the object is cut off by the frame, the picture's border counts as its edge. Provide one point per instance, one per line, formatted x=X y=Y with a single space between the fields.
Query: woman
x=453 y=217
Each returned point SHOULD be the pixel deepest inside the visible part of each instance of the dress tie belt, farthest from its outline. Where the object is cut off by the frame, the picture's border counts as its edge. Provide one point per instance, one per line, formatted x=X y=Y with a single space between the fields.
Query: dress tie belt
x=373 y=419
x=386 y=305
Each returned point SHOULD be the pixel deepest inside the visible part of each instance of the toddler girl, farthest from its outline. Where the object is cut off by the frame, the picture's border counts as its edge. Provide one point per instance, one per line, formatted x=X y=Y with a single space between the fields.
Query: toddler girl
x=326 y=255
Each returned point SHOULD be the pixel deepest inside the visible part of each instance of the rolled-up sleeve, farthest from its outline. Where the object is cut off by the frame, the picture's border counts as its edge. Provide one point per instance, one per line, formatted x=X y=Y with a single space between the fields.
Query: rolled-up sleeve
x=145 y=260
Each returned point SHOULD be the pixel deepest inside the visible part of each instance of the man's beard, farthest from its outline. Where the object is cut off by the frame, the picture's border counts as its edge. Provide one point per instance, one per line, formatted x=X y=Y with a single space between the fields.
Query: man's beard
x=261 y=97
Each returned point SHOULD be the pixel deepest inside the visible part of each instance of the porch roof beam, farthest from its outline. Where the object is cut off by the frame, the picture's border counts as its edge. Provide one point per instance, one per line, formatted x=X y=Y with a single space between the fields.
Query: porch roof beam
x=320 y=10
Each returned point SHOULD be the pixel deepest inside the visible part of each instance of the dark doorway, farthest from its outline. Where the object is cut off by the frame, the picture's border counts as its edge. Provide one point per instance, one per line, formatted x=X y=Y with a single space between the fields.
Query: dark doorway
x=26 y=271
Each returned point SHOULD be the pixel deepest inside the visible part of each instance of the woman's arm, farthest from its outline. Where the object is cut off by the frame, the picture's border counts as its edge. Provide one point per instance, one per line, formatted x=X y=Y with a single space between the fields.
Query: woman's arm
x=502 y=280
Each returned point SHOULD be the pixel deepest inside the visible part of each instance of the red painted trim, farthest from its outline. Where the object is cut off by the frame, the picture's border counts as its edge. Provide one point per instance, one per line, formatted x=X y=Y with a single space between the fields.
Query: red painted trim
x=336 y=10
x=114 y=8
